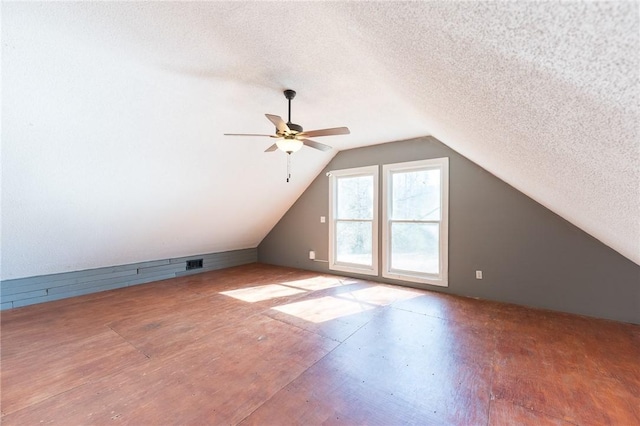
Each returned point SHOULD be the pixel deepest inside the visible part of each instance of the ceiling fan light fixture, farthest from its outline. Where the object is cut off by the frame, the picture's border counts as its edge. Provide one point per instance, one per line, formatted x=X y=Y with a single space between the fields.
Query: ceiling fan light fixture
x=289 y=145
x=290 y=136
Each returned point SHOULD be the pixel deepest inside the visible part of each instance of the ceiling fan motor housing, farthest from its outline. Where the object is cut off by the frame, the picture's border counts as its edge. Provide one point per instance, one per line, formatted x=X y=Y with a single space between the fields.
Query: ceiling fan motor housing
x=295 y=128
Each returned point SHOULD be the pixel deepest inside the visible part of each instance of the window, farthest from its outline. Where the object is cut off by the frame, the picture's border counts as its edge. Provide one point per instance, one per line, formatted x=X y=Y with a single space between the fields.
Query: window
x=415 y=225
x=353 y=219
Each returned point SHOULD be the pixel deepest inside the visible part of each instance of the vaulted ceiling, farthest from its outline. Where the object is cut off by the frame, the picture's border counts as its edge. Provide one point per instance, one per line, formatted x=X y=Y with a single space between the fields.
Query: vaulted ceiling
x=113 y=114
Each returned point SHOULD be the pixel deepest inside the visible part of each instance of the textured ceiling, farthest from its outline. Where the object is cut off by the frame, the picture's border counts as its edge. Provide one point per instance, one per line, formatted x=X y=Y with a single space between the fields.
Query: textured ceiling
x=113 y=114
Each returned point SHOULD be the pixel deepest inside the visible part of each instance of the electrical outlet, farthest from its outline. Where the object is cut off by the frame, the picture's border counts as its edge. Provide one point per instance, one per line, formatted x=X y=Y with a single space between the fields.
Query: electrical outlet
x=322 y=219
x=312 y=255
x=478 y=275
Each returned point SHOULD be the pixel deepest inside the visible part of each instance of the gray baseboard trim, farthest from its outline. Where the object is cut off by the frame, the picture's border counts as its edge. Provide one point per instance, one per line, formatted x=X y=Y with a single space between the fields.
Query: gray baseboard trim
x=46 y=288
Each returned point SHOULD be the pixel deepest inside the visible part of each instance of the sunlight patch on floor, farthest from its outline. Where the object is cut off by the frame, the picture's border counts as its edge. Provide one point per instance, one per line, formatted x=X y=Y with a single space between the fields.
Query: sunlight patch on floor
x=380 y=295
x=348 y=303
x=324 y=308
x=263 y=292
x=315 y=283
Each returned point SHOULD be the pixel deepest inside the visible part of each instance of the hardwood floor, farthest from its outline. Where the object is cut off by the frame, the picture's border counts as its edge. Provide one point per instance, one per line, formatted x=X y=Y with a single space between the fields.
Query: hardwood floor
x=264 y=345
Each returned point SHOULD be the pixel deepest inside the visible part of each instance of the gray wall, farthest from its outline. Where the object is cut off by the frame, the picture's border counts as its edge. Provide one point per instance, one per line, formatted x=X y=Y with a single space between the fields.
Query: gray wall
x=45 y=288
x=528 y=255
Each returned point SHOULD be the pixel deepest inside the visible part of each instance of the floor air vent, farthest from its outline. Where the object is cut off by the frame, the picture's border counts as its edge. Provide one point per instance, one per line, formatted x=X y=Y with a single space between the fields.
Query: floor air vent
x=194 y=264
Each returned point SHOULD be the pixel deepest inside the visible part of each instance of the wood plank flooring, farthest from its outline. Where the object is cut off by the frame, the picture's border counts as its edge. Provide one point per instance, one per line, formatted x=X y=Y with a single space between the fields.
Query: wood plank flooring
x=265 y=345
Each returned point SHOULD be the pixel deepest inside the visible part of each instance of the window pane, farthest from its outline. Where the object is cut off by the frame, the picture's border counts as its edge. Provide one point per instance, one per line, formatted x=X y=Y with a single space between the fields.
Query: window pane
x=355 y=197
x=353 y=242
x=416 y=195
x=414 y=247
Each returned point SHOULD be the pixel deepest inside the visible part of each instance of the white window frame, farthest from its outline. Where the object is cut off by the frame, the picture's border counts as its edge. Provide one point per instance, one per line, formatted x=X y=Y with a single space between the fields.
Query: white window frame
x=441 y=279
x=351 y=267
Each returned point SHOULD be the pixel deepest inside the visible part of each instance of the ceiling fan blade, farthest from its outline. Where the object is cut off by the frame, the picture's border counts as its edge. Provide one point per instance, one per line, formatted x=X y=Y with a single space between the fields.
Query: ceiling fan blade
x=279 y=122
x=316 y=145
x=271 y=148
x=244 y=134
x=325 y=132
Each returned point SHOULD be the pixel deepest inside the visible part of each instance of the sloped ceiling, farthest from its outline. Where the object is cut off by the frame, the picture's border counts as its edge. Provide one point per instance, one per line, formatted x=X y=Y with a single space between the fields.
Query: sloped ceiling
x=113 y=114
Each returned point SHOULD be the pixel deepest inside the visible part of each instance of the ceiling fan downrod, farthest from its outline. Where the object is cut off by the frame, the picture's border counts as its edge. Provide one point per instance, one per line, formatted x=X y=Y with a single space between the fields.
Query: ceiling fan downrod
x=289 y=94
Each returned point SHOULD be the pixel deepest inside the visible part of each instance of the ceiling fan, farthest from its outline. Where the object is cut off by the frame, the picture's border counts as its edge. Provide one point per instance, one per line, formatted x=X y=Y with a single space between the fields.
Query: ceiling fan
x=291 y=136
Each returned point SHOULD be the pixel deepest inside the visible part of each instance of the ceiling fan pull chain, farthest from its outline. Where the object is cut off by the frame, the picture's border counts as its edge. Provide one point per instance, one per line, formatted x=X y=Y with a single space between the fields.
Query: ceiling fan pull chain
x=288 y=166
